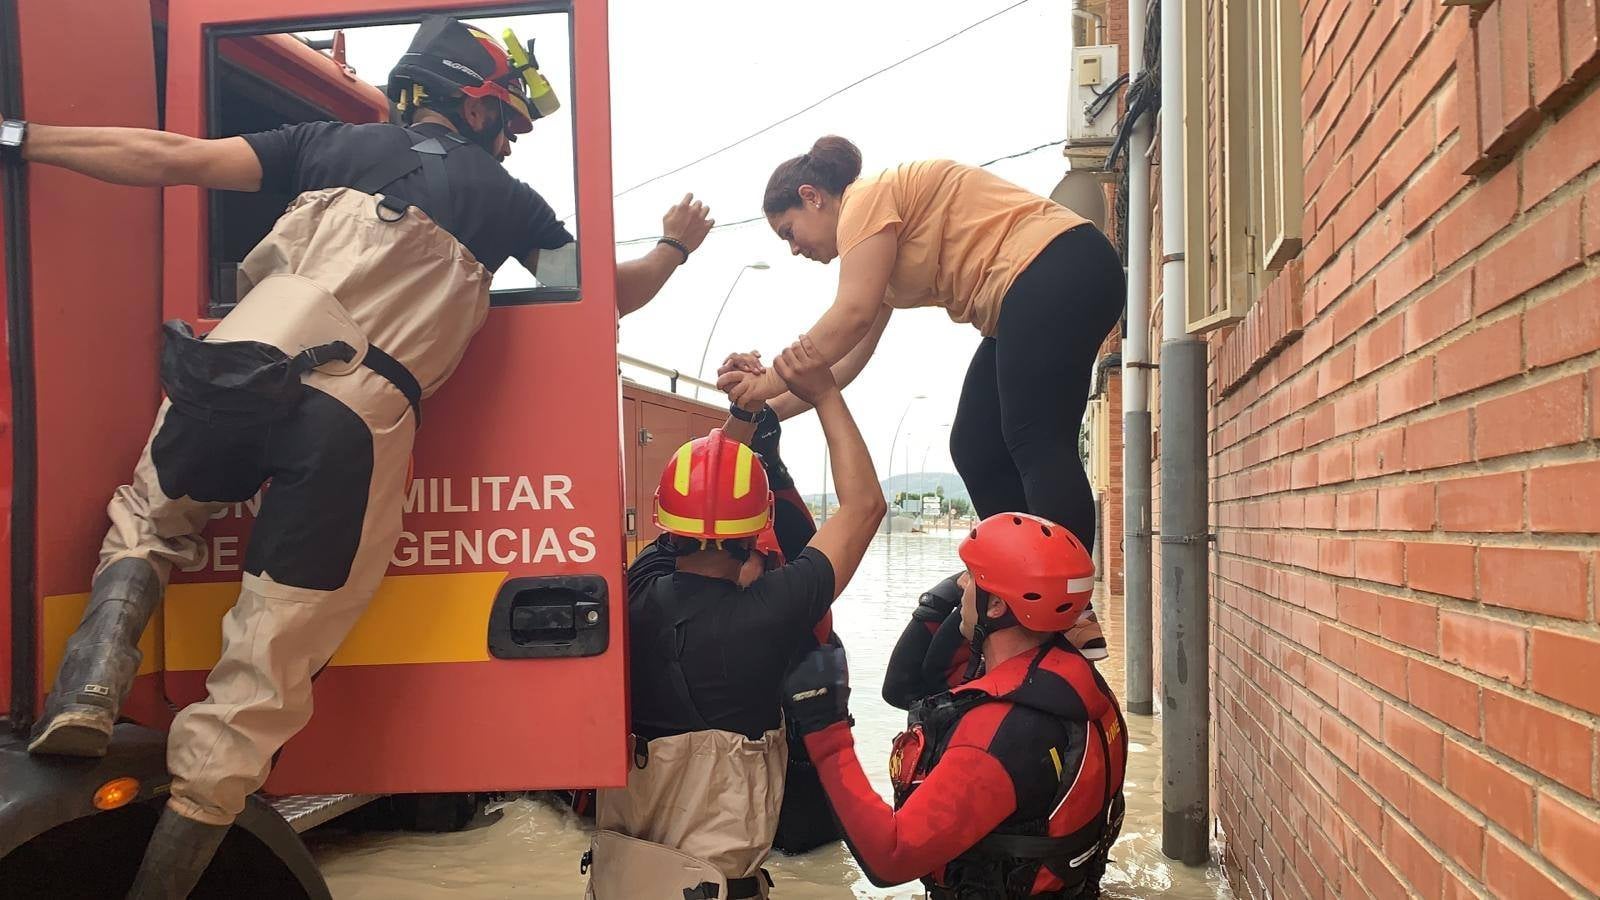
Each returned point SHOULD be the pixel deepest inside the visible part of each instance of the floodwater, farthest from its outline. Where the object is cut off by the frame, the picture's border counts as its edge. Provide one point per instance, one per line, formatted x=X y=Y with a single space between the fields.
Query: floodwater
x=532 y=849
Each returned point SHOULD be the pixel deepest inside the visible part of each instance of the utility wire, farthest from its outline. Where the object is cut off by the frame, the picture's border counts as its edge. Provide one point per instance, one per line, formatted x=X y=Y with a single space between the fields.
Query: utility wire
x=734 y=224
x=817 y=103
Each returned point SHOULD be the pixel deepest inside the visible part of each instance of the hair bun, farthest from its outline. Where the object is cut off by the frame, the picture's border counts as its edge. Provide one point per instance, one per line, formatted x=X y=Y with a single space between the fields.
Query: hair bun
x=831 y=164
x=840 y=156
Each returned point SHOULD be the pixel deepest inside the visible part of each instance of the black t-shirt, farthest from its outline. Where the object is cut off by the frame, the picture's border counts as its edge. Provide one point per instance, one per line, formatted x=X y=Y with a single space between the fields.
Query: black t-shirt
x=496 y=216
x=734 y=643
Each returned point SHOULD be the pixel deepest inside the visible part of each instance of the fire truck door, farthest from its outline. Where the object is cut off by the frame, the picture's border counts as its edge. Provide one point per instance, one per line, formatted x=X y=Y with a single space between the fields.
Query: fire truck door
x=492 y=657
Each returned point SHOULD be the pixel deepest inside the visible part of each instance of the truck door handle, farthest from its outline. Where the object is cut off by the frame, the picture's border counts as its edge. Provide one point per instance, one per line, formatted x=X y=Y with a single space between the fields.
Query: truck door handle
x=550 y=616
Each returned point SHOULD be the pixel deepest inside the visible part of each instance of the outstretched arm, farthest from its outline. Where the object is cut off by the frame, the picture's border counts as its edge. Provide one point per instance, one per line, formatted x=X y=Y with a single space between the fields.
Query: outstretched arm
x=145 y=158
x=863 y=279
x=787 y=405
x=639 y=280
x=966 y=796
x=843 y=539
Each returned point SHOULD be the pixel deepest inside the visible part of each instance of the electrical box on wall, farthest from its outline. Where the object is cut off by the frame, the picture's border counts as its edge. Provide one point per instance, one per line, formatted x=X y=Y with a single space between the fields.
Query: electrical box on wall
x=1092 y=108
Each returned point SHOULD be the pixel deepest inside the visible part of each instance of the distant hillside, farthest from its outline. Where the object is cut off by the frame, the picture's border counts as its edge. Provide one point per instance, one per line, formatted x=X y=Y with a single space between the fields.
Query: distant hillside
x=916 y=483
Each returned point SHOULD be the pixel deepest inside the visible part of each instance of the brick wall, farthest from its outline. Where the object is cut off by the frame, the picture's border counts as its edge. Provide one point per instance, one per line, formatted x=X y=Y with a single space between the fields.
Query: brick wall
x=1406 y=481
x=1405 y=473
x=1111 y=503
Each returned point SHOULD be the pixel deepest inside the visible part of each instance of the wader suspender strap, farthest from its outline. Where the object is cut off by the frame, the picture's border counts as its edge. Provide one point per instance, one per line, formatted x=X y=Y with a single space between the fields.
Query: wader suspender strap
x=426 y=154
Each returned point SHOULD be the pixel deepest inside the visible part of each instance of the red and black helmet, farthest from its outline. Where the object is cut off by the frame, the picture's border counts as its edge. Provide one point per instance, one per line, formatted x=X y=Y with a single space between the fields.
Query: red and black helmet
x=714 y=488
x=1039 y=569
x=449 y=58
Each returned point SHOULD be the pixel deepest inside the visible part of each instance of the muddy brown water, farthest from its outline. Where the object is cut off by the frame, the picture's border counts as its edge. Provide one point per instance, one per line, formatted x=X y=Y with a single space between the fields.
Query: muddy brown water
x=532 y=850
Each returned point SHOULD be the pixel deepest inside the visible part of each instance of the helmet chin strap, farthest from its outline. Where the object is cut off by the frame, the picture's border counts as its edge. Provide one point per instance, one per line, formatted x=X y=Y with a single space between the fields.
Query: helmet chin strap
x=985 y=626
x=485 y=137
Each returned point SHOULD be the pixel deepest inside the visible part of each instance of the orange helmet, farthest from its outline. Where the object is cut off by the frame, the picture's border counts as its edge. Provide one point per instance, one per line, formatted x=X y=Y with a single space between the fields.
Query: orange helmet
x=1039 y=569
x=714 y=488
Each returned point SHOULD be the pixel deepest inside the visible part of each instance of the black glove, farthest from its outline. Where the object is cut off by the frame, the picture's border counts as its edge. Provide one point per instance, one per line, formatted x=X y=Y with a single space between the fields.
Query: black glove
x=816 y=692
x=936 y=604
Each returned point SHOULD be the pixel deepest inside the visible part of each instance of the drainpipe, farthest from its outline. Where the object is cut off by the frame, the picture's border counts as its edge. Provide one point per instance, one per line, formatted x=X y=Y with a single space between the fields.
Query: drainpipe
x=1137 y=619
x=1185 y=666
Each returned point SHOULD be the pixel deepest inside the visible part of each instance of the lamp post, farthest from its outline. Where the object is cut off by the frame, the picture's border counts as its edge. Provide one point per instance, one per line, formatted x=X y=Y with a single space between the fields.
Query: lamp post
x=929 y=449
x=824 y=482
x=888 y=518
x=700 y=372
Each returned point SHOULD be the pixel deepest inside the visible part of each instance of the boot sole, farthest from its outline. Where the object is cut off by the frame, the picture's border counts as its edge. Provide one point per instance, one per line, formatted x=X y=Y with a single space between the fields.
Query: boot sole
x=71 y=739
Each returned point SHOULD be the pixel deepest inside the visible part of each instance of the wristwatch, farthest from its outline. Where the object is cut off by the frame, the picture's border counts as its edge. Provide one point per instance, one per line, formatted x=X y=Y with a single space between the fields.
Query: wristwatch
x=12 y=133
x=741 y=414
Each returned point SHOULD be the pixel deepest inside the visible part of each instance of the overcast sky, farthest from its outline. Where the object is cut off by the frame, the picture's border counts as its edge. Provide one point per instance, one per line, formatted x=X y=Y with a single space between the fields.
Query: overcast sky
x=687 y=78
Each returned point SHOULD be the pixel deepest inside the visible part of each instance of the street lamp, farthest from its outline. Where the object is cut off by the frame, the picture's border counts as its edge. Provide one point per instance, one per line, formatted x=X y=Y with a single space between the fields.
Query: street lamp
x=929 y=449
x=889 y=517
x=700 y=373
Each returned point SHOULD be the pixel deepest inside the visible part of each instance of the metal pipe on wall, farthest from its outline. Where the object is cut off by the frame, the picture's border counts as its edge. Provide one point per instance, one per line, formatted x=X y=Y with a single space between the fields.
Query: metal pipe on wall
x=1185 y=633
x=1138 y=621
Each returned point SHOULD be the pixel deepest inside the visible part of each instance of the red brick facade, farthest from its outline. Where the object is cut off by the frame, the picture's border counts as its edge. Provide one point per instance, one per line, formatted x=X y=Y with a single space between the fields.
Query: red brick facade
x=1405 y=487
x=1405 y=477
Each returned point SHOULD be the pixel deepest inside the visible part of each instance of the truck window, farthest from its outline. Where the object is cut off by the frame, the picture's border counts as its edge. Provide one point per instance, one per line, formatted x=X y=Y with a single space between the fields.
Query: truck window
x=261 y=81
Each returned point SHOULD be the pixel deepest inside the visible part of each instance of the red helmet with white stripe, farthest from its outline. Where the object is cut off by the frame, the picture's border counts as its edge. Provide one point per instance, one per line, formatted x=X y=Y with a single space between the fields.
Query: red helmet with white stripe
x=1039 y=569
x=714 y=488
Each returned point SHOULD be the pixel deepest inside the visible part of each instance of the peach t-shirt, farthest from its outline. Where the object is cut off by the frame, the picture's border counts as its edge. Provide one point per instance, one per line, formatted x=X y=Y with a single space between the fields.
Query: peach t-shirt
x=964 y=234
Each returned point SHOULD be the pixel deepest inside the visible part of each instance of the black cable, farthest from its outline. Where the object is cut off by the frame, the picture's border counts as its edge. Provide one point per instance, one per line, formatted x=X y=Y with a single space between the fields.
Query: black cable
x=1144 y=93
x=984 y=165
x=1102 y=99
x=817 y=103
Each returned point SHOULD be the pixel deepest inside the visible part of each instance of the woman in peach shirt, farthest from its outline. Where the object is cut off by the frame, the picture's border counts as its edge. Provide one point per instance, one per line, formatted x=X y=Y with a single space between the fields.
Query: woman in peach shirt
x=1042 y=285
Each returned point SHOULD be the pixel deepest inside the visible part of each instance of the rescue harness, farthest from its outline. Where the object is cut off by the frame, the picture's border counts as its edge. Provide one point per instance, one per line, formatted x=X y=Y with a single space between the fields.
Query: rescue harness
x=1006 y=862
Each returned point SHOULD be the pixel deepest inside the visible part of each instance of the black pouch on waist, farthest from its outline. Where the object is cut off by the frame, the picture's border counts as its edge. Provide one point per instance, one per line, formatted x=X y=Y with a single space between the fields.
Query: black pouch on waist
x=236 y=383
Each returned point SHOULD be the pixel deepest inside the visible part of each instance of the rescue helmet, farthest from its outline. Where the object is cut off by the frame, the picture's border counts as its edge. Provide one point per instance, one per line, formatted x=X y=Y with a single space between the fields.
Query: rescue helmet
x=714 y=489
x=1038 y=569
x=449 y=59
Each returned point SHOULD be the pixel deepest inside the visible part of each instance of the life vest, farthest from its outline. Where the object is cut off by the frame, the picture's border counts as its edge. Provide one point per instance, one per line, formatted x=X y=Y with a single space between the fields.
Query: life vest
x=1038 y=856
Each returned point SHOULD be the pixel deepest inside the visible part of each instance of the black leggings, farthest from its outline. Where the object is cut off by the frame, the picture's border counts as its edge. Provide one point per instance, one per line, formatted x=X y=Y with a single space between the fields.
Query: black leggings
x=1015 y=436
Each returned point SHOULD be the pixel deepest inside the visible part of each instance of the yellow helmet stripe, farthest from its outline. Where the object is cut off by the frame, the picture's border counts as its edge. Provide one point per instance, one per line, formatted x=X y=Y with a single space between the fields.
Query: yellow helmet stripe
x=680 y=524
x=742 y=464
x=680 y=476
x=740 y=527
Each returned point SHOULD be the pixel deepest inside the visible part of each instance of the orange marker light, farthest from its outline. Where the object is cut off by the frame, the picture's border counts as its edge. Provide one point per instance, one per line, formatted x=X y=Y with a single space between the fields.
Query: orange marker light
x=116 y=793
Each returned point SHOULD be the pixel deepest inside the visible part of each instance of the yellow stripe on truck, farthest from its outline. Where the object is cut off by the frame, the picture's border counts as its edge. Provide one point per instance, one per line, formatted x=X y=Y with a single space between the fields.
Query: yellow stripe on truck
x=413 y=619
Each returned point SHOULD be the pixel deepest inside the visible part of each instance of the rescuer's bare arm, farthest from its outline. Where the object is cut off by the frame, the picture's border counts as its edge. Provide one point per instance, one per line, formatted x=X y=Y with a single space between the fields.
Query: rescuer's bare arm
x=639 y=280
x=843 y=539
x=863 y=280
x=739 y=430
x=145 y=158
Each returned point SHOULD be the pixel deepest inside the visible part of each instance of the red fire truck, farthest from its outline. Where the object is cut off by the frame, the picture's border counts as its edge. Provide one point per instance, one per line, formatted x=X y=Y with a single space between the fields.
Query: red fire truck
x=492 y=658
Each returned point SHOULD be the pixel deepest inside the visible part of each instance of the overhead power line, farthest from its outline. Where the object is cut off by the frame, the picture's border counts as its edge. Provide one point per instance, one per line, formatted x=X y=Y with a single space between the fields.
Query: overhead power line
x=816 y=103
x=736 y=223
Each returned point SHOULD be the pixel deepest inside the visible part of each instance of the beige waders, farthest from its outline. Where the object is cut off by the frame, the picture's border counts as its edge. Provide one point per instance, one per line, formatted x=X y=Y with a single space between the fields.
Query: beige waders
x=336 y=267
x=702 y=804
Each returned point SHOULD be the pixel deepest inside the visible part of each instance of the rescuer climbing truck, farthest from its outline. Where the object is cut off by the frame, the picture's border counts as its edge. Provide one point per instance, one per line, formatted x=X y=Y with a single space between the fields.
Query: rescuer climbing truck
x=497 y=624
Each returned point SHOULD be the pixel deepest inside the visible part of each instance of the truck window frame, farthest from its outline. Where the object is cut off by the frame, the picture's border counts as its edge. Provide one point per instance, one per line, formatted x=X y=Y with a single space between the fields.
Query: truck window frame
x=214 y=66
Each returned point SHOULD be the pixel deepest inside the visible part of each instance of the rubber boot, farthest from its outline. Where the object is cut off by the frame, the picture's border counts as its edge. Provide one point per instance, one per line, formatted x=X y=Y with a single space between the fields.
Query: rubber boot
x=101 y=660
x=179 y=851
